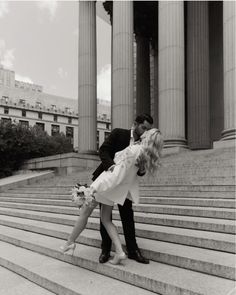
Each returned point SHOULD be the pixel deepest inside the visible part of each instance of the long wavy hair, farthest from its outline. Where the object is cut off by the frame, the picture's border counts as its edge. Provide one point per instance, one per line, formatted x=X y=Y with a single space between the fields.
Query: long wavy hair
x=152 y=142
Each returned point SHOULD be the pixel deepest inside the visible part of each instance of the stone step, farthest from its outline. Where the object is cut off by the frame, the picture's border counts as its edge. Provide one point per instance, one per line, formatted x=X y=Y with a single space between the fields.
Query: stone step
x=188 y=194
x=178 y=179
x=200 y=155
x=12 y=284
x=196 y=172
x=24 y=179
x=196 y=259
x=202 y=239
x=200 y=202
x=198 y=161
x=226 y=213
x=61 y=193
x=144 y=195
x=203 y=161
x=157 y=209
x=198 y=223
x=36 y=191
x=191 y=180
x=198 y=166
x=61 y=277
x=56 y=184
x=65 y=200
x=188 y=188
x=155 y=277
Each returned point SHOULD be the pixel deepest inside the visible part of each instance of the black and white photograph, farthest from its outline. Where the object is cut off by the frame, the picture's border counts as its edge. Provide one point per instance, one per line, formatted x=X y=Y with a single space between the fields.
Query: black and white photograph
x=117 y=147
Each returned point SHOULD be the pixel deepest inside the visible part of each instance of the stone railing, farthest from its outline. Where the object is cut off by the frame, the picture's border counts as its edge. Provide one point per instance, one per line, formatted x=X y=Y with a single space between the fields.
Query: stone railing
x=44 y=109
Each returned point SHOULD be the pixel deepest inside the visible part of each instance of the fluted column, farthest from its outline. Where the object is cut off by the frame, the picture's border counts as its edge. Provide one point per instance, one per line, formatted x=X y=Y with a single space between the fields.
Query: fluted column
x=216 y=69
x=87 y=93
x=198 y=75
x=122 y=59
x=155 y=113
x=171 y=72
x=229 y=31
x=143 y=75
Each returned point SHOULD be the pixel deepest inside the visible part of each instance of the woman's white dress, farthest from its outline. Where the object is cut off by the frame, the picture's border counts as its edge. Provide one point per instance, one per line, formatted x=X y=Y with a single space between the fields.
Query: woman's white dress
x=121 y=183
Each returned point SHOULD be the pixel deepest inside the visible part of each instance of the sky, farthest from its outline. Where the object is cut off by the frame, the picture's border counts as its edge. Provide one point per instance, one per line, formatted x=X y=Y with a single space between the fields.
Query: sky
x=39 y=41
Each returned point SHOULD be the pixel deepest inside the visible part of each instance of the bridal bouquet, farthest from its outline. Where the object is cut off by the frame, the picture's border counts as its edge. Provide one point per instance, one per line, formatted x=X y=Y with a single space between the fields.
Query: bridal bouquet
x=82 y=195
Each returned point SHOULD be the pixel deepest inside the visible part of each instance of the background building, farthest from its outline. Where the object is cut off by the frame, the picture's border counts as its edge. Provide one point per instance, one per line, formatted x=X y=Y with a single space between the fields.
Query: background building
x=28 y=104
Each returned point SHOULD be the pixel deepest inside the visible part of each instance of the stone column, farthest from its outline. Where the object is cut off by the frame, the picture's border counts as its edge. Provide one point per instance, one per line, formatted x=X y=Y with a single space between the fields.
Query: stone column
x=142 y=75
x=198 y=75
x=87 y=106
x=122 y=69
x=155 y=105
x=229 y=31
x=216 y=69
x=171 y=72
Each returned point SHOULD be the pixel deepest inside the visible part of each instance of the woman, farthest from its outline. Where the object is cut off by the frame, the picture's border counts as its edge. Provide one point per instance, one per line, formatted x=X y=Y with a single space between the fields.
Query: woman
x=118 y=183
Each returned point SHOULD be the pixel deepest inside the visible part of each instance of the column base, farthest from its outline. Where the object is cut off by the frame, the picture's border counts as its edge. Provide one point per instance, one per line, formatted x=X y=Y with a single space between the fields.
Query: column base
x=173 y=150
x=174 y=146
x=200 y=146
x=230 y=143
x=227 y=140
x=170 y=143
x=228 y=134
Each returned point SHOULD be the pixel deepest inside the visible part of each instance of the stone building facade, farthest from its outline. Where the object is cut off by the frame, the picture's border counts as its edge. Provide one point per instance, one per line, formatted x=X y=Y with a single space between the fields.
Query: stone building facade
x=182 y=73
x=27 y=104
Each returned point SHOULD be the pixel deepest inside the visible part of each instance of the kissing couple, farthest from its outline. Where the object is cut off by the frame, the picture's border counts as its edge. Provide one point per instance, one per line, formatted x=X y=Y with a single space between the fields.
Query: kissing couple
x=126 y=155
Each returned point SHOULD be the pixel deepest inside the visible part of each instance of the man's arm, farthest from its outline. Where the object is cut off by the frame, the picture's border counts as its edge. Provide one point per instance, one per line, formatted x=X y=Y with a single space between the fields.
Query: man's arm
x=106 y=150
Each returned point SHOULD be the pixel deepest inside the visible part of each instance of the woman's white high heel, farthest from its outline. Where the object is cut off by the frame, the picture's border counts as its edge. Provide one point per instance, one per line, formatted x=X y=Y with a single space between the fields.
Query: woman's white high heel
x=118 y=258
x=67 y=248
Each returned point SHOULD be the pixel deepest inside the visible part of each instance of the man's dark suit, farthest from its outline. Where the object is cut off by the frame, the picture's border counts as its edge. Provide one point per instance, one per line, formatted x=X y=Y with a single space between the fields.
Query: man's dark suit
x=118 y=140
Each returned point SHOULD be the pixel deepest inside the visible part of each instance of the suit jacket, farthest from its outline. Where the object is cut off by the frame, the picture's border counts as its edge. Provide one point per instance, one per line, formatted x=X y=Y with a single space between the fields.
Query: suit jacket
x=118 y=140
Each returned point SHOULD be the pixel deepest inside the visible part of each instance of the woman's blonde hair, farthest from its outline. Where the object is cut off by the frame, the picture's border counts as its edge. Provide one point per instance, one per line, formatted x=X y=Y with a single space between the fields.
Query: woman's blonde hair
x=152 y=142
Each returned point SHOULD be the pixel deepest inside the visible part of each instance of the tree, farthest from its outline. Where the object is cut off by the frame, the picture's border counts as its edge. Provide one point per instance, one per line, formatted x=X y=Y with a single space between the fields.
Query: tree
x=19 y=143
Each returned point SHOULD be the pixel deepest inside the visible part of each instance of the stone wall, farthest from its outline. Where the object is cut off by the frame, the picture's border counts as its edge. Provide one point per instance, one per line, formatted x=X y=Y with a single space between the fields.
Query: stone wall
x=64 y=164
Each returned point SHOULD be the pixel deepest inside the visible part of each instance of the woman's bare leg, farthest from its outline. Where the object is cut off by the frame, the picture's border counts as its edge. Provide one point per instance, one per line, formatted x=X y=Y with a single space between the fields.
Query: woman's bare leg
x=110 y=227
x=81 y=222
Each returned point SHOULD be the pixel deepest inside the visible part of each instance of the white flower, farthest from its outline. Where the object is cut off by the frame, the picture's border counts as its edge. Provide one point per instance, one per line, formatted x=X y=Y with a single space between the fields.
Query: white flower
x=88 y=192
x=82 y=195
x=82 y=189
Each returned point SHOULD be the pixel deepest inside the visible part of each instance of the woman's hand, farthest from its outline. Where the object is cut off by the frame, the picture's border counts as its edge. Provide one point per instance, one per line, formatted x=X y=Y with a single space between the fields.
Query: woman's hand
x=141 y=164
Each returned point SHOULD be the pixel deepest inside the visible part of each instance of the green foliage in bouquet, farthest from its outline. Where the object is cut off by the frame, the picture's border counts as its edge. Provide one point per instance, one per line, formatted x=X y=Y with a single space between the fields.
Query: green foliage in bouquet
x=19 y=143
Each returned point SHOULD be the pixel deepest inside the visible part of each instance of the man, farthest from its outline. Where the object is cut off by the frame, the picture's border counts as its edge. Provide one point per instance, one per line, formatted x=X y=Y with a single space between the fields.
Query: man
x=118 y=140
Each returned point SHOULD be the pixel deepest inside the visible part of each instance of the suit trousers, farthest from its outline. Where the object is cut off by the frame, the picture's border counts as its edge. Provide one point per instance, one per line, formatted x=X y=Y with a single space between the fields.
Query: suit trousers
x=127 y=219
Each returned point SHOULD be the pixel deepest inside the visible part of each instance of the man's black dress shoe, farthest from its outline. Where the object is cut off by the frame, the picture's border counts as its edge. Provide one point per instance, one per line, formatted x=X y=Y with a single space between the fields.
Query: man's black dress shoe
x=138 y=257
x=104 y=257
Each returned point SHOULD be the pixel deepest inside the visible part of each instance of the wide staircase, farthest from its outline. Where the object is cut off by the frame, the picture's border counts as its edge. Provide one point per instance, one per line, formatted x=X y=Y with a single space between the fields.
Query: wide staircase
x=185 y=225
